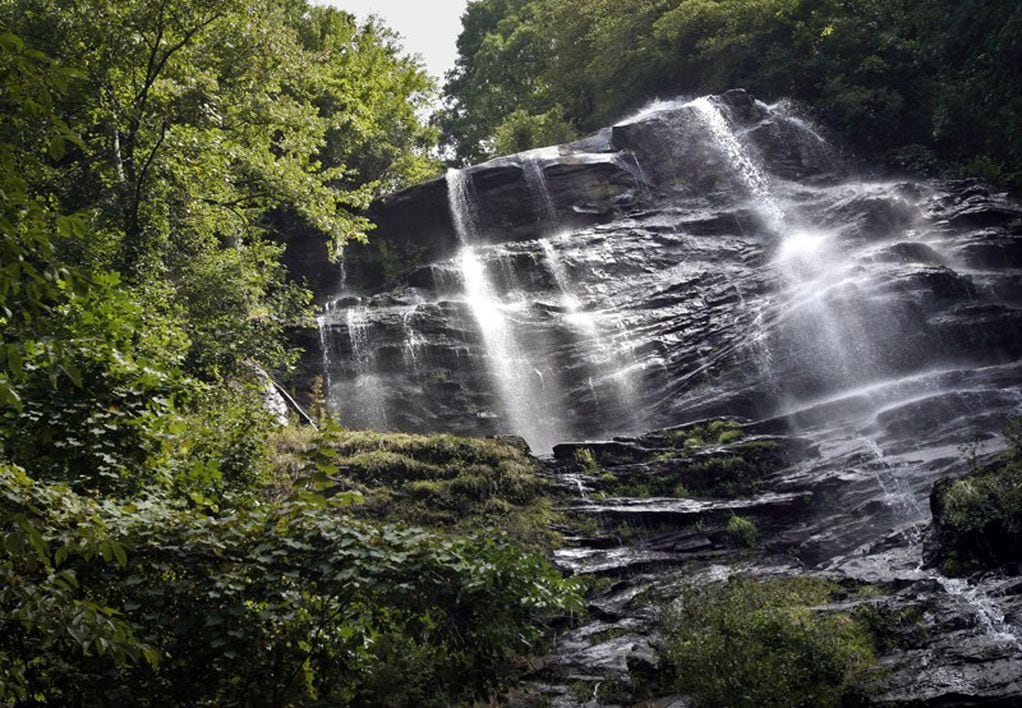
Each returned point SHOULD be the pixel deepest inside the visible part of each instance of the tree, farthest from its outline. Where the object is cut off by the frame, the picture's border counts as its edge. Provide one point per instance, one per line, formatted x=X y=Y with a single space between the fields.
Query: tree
x=899 y=81
x=199 y=121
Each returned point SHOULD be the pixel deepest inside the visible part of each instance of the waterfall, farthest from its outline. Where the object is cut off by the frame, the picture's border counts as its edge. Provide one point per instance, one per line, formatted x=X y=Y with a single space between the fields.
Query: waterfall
x=462 y=205
x=413 y=343
x=741 y=160
x=538 y=188
x=525 y=397
x=322 y=326
x=820 y=320
x=600 y=354
x=368 y=393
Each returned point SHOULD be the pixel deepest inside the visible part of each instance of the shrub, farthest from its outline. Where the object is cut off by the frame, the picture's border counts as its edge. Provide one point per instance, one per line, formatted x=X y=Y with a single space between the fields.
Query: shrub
x=286 y=603
x=586 y=459
x=743 y=531
x=978 y=517
x=103 y=416
x=757 y=643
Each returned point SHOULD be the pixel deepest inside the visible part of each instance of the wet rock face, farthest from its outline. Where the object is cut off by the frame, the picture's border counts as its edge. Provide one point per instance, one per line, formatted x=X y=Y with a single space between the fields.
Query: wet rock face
x=700 y=260
x=688 y=262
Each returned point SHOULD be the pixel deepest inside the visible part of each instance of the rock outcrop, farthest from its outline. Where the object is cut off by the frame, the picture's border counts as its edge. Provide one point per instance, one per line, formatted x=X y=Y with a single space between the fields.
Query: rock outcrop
x=704 y=259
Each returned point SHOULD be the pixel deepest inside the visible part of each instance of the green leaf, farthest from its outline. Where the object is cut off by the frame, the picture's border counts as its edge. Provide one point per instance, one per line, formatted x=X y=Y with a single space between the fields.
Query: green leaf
x=57 y=148
x=120 y=555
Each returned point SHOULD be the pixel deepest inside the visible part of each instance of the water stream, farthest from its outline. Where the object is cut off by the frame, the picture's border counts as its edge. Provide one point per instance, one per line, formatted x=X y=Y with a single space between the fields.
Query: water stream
x=524 y=395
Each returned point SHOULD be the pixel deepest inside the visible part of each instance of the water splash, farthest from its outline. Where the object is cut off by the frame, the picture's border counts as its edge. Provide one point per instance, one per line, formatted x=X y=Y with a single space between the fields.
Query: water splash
x=989 y=615
x=651 y=109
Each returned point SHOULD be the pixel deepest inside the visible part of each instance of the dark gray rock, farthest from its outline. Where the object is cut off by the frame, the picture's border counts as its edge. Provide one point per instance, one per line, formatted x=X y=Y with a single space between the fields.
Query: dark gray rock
x=661 y=275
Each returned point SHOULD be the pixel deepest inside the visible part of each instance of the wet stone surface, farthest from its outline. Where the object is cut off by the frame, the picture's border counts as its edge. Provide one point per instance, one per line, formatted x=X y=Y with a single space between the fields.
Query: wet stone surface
x=811 y=350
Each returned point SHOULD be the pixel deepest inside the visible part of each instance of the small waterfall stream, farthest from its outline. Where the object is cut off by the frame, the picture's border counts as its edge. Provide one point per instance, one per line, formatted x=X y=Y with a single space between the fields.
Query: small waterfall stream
x=741 y=161
x=536 y=179
x=368 y=393
x=522 y=390
x=605 y=362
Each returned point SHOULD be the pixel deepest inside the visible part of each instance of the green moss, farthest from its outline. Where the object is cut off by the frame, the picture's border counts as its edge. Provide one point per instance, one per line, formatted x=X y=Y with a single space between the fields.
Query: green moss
x=979 y=517
x=754 y=643
x=729 y=436
x=680 y=491
x=435 y=481
x=893 y=627
x=726 y=476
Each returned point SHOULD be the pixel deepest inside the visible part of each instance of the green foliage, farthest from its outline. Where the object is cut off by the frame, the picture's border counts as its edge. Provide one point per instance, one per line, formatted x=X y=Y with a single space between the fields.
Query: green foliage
x=213 y=133
x=520 y=131
x=743 y=531
x=440 y=481
x=761 y=643
x=276 y=604
x=586 y=459
x=979 y=516
x=679 y=474
x=99 y=418
x=154 y=547
x=31 y=283
x=929 y=86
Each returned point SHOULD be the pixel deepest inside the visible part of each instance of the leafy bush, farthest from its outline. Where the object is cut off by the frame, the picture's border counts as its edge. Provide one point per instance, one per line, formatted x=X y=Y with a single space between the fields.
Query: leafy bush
x=285 y=603
x=757 y=643
x=521 y=131
x=100 y=416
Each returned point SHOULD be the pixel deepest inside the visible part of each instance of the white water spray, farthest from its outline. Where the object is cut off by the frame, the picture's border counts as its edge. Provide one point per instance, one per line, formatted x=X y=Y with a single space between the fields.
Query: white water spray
x=523 y=394
x=368 y=391
x=599 y=351
x=741 y=161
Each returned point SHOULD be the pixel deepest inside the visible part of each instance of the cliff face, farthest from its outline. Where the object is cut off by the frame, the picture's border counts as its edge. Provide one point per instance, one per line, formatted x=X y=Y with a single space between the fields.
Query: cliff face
x=696 y=259
x=705 y=258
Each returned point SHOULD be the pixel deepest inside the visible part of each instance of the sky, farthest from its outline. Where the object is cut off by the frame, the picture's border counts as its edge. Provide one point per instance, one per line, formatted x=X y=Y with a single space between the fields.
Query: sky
x=429 y=28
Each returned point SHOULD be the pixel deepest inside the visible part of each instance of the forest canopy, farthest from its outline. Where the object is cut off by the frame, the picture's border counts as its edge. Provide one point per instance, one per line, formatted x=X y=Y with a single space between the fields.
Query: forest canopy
x=930 y=87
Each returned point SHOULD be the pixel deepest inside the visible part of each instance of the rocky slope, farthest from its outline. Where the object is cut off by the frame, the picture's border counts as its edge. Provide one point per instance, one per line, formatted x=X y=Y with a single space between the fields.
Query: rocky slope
x=701 y=259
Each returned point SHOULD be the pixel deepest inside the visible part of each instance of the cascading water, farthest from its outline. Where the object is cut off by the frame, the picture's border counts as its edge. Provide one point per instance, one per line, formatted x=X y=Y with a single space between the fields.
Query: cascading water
x=368 y=393
x=524 y=394
x=989 y=616
x=536 y=179
x=859 y=331
x=413 y=342
x=715 y=280
x=605 y=361
x=741 y=161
